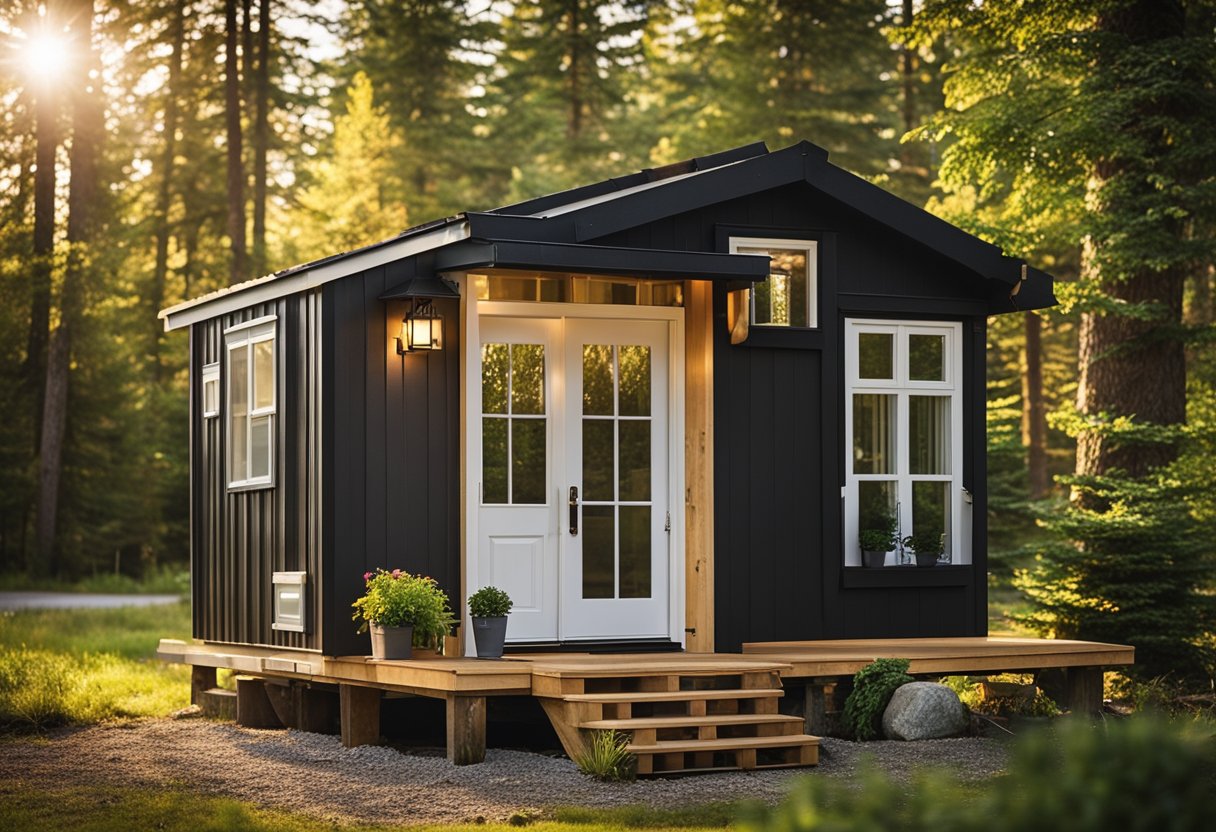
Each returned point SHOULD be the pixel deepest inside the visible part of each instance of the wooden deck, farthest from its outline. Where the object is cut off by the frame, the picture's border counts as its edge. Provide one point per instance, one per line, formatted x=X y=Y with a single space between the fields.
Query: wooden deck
x=683 y=712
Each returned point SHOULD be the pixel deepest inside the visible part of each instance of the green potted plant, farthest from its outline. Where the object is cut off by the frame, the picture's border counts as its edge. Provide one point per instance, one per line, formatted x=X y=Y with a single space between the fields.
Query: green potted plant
x=877 y=539
x=401 y=610
x=488 y=608
x=926 y=546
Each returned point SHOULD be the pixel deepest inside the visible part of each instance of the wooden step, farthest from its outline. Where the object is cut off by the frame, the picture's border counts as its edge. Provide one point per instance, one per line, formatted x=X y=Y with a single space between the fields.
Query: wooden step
x=683 y=746
x=687 y=721
x=674 y=695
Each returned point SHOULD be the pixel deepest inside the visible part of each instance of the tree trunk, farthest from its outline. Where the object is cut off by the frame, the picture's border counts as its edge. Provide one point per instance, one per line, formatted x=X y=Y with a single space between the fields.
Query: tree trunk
x=261 y=138
x=238 y=268
x=164 y=195
x=574 y=123
x=1034 y=414
x=908 y=67
x=46 y=128
x=88 y=125
x=1131 y=366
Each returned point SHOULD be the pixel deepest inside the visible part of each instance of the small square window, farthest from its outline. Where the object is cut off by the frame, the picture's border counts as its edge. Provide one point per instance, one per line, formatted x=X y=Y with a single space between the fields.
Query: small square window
x=789 y=298
x=211 y=391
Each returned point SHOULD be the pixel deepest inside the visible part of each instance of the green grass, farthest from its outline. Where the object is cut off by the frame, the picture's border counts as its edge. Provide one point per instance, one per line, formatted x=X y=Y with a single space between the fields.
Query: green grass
x=81 y=666
x=32 y=807
x=166 y=580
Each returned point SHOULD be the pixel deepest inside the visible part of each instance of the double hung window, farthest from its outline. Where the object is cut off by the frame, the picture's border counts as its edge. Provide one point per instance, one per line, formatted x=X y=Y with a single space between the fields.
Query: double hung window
x=251 y=399
x=903 y=434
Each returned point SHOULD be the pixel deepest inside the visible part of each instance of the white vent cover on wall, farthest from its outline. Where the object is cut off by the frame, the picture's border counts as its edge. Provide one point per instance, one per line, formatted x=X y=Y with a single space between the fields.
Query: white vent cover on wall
x=289 y=609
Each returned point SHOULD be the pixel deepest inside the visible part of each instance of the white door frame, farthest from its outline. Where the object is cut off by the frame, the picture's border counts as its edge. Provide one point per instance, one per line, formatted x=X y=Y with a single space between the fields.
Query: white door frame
x=472 y=310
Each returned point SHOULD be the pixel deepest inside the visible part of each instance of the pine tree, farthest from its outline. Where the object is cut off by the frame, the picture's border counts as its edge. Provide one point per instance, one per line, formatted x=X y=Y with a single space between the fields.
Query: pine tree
x=356 y=195
x=1101 y=115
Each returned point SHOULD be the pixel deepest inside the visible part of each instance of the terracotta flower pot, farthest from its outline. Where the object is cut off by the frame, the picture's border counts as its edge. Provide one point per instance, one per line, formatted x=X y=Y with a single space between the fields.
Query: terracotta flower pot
x=391 y=642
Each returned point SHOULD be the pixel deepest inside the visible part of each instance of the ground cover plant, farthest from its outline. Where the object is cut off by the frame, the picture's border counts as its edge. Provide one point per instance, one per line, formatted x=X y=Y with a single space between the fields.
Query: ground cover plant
x=1135 y=774
x=61 y=667
x=872 y=689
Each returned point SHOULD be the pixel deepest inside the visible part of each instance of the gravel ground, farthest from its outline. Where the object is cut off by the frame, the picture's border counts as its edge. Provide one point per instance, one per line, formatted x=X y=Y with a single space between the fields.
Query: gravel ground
x=315 y=775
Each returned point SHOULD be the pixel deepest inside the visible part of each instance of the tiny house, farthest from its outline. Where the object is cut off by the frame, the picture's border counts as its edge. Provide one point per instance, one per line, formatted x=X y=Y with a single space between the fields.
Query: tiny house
x=657 y=410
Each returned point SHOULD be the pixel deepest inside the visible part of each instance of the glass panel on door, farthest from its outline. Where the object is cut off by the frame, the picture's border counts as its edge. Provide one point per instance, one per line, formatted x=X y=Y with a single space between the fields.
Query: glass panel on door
x=514 y=430
x=616 y=452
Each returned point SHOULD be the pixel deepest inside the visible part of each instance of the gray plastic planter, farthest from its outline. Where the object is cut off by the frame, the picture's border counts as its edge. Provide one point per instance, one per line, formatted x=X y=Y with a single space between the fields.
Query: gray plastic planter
x=490 y=634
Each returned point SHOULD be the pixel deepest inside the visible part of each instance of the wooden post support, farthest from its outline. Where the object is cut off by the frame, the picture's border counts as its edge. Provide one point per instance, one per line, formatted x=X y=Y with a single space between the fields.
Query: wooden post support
x=201 y=679
x=1083 y=687
x=816 y=714
x=466 y=729
x=360 y=715
x=253 y=708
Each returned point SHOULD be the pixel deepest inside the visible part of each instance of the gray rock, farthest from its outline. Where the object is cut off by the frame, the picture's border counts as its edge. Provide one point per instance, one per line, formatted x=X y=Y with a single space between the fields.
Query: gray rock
x=924 y=711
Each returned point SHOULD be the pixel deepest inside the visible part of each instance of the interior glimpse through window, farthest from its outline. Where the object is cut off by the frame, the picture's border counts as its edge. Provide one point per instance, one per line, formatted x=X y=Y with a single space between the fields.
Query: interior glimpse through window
x=788 y=298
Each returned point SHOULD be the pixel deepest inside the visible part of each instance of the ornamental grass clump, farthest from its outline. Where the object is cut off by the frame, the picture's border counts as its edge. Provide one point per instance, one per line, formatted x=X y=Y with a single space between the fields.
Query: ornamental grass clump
x=873 y=686
x=607 y=757
x=399 y=599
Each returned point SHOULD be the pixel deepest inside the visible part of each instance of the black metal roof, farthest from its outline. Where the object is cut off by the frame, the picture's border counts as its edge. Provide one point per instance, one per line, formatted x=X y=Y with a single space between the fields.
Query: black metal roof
x=570 y=220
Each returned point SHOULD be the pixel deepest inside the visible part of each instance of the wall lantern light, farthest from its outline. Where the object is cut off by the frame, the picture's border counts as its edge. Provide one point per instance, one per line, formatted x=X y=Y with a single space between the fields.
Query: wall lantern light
x=422 y=327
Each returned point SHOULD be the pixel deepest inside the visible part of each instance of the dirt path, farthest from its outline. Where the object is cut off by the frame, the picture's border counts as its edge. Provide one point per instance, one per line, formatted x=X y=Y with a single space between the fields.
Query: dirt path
x=315 y=775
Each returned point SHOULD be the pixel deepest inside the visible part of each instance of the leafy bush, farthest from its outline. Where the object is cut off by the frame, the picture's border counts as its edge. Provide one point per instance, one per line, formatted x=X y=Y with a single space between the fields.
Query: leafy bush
x=399 y=599
x=489 y=602
x=607 y=757
x=928 y=542
x=1138 y=775
x=872 y=689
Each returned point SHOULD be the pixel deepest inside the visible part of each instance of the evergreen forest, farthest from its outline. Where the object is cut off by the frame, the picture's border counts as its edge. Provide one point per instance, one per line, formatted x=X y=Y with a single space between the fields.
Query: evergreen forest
x=155 y=150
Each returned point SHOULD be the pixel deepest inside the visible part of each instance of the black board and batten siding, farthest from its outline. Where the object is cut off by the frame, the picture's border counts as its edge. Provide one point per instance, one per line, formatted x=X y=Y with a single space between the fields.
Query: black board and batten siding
x=240 y=538
x=779 y=430
x=392 y=428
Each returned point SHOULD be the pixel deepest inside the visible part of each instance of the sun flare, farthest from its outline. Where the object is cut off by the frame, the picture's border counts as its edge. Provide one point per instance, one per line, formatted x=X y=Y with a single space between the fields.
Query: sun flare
x=46 y=56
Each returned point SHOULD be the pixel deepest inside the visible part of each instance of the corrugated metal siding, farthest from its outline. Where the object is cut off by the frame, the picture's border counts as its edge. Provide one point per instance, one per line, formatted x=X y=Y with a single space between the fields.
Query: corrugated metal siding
x=241 y=538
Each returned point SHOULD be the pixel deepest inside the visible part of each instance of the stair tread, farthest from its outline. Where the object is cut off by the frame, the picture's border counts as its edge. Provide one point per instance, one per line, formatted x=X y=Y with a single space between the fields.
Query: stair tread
x=219 y=692
x=674 y=695
x=687 y=721
x=670 y=746
x=723 y=769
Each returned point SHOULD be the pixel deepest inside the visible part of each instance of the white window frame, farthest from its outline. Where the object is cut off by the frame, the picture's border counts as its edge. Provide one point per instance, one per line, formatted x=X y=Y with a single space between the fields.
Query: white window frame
x=811 y=247
x=902 y=387
x=244 y=336
x=211 y=375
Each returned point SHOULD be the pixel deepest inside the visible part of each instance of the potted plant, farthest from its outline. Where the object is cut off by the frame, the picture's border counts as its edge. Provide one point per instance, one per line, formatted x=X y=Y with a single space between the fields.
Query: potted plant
x=877 y=539
x=488 y=608
x=401 y=610
x=926 y=546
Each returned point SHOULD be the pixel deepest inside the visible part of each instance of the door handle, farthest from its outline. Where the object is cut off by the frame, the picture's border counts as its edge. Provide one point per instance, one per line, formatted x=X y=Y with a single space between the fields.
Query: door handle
x=574 y=510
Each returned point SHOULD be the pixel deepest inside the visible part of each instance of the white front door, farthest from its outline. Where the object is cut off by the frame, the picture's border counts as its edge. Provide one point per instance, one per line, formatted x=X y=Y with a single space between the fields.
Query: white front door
x=570 y=434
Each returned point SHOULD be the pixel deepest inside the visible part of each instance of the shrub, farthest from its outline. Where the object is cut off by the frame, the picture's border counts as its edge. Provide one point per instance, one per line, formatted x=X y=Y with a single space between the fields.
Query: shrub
x=399 y=599
x=879 y=535
x=872 y=689
x=607 y=757
x=1139 y=774
x=489 y=602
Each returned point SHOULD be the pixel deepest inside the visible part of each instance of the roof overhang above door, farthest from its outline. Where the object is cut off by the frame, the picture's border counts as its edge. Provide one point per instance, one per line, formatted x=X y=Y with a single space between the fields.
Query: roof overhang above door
x=741 y=269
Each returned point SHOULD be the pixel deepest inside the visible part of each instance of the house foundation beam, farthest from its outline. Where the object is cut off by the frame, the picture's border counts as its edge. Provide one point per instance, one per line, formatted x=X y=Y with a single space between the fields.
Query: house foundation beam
x=202 y=679
x=359 y=713
x=466 y=723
